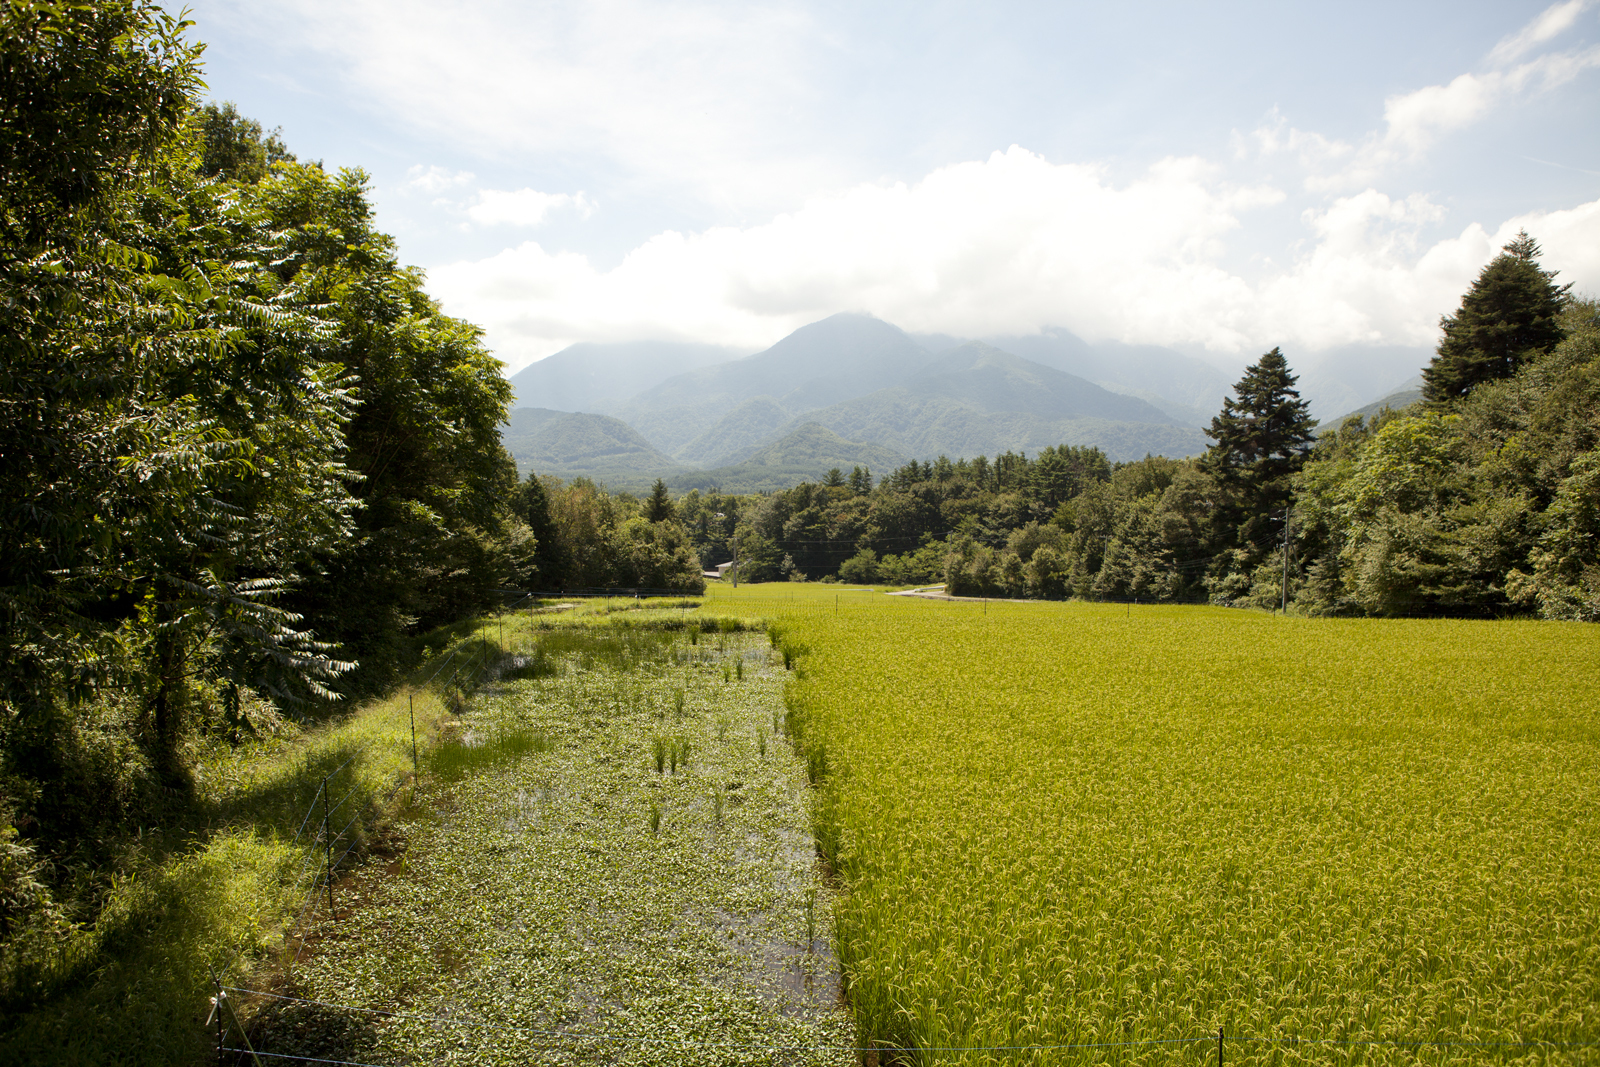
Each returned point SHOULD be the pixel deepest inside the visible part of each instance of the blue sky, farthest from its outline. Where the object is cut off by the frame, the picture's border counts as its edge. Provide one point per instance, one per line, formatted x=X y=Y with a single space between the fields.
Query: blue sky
x=1220 y=178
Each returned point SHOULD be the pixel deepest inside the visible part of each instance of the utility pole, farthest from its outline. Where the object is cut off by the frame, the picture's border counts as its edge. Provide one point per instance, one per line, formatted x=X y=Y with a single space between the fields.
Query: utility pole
x=1288 y=519
x=736 y=560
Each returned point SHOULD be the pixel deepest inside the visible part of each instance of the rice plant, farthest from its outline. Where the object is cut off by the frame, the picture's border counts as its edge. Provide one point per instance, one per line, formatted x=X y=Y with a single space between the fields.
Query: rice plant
x=1337 y=839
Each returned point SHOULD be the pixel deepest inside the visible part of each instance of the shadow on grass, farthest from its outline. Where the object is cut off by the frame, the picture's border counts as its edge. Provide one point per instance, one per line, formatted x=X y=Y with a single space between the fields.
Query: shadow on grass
x=312 y=1031
x=210 y=875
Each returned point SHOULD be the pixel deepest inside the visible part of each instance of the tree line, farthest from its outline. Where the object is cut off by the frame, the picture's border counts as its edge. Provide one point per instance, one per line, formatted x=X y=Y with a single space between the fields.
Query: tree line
x=1483 y=499
x=244 y=457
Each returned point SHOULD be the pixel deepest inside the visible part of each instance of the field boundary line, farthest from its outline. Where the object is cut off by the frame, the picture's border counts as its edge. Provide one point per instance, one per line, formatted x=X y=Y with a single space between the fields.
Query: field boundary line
x=756 y=1046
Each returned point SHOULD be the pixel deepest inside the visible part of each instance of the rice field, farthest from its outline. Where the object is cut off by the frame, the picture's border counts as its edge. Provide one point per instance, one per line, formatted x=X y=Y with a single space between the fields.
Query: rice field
x=1075 y=833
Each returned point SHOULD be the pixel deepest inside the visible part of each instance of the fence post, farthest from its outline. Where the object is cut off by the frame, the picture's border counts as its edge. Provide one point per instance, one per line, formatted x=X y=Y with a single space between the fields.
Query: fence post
x=1219 y=1046
x=221 y=1044
x=327 y=840
x=413 y=701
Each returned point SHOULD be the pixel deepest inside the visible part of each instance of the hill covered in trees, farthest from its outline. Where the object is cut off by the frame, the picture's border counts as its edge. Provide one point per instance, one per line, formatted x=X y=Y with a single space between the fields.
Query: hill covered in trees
x=871 y=383
x=1481 y=502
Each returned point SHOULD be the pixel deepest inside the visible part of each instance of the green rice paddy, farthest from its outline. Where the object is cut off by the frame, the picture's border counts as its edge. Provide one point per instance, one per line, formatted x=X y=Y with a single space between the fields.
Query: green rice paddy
x=1085 y=833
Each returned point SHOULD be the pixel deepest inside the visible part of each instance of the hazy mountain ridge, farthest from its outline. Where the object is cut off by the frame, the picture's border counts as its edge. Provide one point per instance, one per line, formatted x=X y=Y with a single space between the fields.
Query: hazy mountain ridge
x=804 y=453
x=1409 y=393
x=1188 y=383
x=571 y=443
x=868 y=383
x=588 y=376
x=837 y=358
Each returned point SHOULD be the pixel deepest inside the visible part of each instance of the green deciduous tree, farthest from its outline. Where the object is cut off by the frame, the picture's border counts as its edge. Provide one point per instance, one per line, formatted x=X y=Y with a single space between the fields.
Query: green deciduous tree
x=433 y=485
x=170 y=426
x=1511 y=314
x=235 y=147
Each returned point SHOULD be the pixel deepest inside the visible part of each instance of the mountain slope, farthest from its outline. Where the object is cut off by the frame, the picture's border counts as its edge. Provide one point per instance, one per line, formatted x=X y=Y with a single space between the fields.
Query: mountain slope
x=595 y=446
x=815 y=446
x=977 y=400
x=1409 y=393
x=743 y=429
x=588 y=376
x=927 y=426
x=982 y=376
x=1190 y=387
x=838 y=358
x=806 y=453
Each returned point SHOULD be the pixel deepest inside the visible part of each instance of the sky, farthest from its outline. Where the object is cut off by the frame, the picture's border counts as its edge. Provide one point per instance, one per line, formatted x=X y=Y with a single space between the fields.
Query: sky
x=1220 y=178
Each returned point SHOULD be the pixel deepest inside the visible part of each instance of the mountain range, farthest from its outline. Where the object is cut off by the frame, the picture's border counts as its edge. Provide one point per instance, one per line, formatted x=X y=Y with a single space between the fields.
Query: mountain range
x=852 y=390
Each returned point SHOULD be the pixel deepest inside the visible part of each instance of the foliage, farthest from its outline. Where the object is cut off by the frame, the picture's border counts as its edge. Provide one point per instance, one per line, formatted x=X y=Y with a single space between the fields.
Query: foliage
x=1477 y=508
x=1263 y=436
x=121 y=968
x=1511 y=314
x=432 y=541
x=236 y=148
x=591 y=539
x=240 y=443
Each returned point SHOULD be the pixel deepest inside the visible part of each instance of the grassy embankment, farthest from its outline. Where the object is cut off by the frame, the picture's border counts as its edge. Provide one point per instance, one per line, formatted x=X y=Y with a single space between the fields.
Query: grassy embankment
x=214 y=888
x=1065 y=824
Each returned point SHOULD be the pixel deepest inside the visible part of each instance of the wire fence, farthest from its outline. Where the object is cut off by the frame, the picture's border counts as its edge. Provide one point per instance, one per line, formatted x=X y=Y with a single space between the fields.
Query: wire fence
x=329 y=843
x=1219 y=1038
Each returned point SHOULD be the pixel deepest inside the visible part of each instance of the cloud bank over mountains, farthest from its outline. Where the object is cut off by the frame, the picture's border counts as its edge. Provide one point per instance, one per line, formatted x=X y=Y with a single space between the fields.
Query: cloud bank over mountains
x=725 y=173
x=1015 y=243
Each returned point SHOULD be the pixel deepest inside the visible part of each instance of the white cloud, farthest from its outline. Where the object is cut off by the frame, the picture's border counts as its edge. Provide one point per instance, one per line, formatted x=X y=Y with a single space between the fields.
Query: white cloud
x=976 y=247
x=692 y=95
x=1013 y=243
x=436 y=179
x=1553 y=21
x=1414 y=121
x=524 y=207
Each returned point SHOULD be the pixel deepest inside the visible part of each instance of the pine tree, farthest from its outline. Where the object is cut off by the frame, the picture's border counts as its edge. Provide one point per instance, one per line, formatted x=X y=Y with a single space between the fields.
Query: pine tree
x=1263 y=435
x=659 y=507
x=1511 y=314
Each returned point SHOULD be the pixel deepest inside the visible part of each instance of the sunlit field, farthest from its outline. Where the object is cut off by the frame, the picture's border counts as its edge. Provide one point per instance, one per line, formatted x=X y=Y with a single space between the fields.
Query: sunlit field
x=1123 y=828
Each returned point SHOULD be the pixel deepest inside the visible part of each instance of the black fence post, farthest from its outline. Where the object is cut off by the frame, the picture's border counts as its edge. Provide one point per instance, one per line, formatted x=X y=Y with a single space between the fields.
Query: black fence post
x=413 y=701
x=1219 y=1046
x=327 y=840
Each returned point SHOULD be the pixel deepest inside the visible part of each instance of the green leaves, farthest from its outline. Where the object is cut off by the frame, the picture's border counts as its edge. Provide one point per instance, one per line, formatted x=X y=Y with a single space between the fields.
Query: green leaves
x=1511 y=314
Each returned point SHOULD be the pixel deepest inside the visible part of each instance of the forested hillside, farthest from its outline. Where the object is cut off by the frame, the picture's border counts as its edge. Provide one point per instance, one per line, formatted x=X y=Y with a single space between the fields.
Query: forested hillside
x=1483 y=499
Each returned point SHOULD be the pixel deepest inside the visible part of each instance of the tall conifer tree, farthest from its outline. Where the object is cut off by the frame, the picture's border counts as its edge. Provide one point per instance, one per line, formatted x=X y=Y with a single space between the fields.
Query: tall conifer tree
x=1511 y=313
x=1263 y=436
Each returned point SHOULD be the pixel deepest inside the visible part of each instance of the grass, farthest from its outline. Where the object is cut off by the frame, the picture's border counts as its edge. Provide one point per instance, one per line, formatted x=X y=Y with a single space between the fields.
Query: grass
x=1067 y=824
x=215 y=889
x=639 y=887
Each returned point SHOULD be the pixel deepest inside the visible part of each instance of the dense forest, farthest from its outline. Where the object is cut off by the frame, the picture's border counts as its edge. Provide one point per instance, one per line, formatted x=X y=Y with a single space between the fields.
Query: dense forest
x=245 y=459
